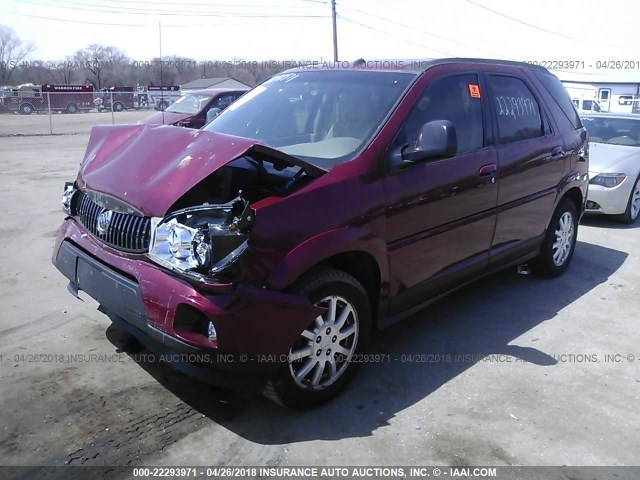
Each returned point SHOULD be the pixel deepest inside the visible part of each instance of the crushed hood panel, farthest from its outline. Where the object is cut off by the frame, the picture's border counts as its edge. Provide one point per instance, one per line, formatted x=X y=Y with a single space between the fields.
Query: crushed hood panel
x=149 y=167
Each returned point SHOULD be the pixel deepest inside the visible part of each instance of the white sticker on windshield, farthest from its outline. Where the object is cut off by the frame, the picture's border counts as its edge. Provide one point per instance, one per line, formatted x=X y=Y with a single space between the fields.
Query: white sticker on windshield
x=246 y=97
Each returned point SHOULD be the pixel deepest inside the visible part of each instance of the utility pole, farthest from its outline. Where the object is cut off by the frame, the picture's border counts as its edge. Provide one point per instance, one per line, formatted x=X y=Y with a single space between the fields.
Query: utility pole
x=335 y=32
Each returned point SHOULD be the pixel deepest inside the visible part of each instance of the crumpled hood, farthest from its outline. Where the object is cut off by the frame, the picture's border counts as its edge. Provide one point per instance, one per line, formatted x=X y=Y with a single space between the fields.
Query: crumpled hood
x=169 y=118
x=150 y=167
x=606 y=158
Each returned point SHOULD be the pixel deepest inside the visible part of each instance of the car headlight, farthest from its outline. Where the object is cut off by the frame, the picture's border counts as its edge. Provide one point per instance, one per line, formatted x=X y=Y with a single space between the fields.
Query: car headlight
x=608 y=180
x=204 y=239
x=67 y=195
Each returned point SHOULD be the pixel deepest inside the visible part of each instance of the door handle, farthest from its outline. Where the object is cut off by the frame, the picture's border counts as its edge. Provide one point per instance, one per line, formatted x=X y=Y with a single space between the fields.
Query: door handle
x=488 y=170
x=557 y=152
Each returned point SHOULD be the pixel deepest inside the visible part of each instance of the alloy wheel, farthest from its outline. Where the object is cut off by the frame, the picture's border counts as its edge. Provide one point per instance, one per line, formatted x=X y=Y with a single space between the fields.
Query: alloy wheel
x=322 y=353
x=564 y=239
x=635 y=201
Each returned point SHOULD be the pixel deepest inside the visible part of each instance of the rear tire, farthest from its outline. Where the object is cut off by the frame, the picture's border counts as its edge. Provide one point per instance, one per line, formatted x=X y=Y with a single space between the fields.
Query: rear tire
x=632 y=212
x=559 y=241
x=26 y=109
x=72 y=108
x=118 y=107
x=319 y=364
x=162 y=106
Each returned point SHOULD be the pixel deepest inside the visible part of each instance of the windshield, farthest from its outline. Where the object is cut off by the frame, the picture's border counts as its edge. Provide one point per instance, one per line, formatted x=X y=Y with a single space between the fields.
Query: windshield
x=323 y=117
x=615 y=131
x=191 y=103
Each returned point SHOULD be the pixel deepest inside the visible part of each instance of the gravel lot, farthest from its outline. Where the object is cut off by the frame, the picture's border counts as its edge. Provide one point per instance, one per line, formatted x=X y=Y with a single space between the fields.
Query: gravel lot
x=547 y=395
x=63 y=123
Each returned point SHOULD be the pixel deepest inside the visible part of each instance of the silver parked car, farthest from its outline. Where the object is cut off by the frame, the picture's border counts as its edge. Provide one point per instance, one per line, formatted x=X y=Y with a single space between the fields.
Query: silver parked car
x=614 y=168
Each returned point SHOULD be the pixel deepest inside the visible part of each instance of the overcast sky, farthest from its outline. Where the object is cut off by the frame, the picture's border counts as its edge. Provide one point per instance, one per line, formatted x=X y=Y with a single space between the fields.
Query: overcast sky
x=581 y=30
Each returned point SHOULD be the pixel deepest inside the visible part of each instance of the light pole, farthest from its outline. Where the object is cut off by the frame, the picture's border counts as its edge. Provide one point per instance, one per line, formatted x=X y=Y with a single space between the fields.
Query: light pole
x=335 y=32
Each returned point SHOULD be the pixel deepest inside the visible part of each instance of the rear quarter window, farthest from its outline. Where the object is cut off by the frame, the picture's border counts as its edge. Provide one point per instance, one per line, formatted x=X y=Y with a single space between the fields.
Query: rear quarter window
x=560 y=96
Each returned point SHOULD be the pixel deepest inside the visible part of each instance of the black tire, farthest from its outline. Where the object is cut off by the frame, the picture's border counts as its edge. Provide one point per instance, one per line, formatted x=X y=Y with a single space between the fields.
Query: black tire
x=72 y=108
x=629 y=216
x=319 y=284
x=118 y=107
x=26 y=109
x=545 y=264
x=162 y=106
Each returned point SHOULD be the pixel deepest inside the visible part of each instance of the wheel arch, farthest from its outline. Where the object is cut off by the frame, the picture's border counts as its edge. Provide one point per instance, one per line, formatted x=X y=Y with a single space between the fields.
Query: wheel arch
x=353 y=251
x=575 y=195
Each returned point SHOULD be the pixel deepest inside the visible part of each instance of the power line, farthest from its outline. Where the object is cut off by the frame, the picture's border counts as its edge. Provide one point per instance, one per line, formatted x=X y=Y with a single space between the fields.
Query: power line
x=111 y=24
x=551 y=32
x=342 y=17
x=421 y=31
x=182 y=13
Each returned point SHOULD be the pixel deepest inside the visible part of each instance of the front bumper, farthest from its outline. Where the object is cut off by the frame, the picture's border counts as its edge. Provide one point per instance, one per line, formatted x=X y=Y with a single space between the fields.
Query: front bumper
x=609 y=201
x=255 y=326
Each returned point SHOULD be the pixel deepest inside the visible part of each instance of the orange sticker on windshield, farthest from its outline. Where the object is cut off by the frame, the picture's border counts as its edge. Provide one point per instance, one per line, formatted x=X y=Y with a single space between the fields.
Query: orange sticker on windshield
x=474 y=91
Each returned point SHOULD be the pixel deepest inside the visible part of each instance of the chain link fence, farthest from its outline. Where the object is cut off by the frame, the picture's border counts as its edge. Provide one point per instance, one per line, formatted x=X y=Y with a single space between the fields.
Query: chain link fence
x=50 y=113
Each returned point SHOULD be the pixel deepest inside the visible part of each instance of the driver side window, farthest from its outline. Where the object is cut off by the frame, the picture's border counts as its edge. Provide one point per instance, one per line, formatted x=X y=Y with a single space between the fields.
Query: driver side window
x=455 y=98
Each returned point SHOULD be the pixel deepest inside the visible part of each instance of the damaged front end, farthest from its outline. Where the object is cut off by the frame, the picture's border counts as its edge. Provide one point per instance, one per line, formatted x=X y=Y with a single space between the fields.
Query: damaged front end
x=164 y=243
x=200 y=242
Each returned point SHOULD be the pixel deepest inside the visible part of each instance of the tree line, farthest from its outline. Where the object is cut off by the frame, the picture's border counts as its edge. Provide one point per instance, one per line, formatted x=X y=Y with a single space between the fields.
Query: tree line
x=106 y=66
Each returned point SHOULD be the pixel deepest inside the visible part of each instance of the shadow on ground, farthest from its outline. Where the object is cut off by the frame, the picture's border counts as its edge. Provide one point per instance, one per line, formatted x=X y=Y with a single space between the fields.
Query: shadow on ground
x=481 y=319
x=607 y=221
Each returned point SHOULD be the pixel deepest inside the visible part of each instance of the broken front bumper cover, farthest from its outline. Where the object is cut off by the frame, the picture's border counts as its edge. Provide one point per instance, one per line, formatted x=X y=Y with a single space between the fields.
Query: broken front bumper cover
x=255 y=327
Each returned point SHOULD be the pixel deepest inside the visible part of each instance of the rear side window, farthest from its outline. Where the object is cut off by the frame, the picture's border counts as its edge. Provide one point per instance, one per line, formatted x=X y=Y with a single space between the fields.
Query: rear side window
x=516 y=108
x=561 y=97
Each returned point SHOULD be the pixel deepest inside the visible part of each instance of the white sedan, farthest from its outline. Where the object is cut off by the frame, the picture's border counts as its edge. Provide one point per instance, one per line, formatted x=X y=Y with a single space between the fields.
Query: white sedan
x=614 y=165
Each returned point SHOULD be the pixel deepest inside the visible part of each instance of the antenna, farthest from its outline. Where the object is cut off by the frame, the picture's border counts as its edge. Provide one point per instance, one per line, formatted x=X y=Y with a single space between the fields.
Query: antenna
x=161 y=83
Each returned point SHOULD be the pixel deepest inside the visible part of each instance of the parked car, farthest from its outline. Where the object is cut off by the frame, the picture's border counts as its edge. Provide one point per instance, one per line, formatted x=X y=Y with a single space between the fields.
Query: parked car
x=614 y=188
x=191 y=109
x=320 y=207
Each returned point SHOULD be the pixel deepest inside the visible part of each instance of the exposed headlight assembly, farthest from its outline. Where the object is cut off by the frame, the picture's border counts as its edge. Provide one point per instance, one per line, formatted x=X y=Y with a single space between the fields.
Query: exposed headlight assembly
x=608 y=180
x=67 y=195
x=201 y=240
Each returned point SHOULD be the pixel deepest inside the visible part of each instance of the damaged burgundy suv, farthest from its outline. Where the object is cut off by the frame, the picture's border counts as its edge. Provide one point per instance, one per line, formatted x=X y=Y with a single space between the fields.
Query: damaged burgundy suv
x=321 y=206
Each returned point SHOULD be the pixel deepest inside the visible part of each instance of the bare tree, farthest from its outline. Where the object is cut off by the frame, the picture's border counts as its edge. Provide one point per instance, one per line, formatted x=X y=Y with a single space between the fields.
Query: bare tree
x=100 y=62
x=64 y=70
x=12 y=51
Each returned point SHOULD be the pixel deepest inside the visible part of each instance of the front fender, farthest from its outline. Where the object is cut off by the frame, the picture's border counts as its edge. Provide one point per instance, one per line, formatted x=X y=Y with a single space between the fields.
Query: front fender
x=325 y=245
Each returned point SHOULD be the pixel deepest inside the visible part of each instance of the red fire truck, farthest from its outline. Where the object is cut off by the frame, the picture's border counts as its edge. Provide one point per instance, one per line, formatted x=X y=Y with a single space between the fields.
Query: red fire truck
x=122 y=98
x=126 y=98
x=40 y=98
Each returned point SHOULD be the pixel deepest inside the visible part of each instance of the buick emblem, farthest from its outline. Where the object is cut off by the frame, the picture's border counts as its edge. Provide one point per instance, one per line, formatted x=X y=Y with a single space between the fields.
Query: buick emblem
x=103 y=221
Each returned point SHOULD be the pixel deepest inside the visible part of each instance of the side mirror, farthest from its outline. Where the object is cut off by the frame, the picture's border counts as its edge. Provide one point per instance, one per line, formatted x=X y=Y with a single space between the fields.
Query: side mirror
x=213 y=113
x=437 y=139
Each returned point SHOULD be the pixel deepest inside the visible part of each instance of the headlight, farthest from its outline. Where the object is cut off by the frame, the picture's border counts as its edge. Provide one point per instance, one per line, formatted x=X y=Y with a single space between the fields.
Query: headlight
x=67 y=195
x=203 y=239
x=608 y=180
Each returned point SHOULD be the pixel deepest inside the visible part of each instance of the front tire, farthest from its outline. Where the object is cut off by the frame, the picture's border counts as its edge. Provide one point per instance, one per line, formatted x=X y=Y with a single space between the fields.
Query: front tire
x=559 y=241
x=320 y=363
x=632 y=212
x=118 y=107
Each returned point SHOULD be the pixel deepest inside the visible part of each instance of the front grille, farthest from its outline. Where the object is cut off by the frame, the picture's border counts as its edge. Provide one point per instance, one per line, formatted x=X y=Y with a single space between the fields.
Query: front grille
x=126 y=232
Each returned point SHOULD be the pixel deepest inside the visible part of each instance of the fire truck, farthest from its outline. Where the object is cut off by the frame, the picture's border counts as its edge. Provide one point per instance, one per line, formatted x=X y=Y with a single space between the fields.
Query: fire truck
x=122 y=98
x=40 y=98
x=127 y=98
x=159 y=97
